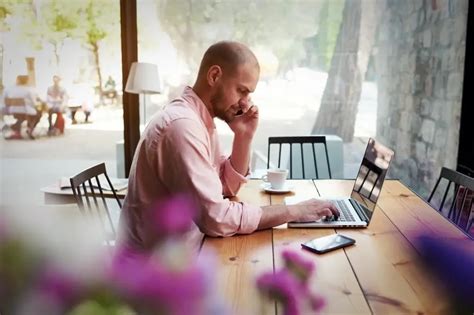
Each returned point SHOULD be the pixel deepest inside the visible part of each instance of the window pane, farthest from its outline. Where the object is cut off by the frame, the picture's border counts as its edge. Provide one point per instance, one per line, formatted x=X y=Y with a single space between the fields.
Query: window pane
x=355 y=69
x=79 y=42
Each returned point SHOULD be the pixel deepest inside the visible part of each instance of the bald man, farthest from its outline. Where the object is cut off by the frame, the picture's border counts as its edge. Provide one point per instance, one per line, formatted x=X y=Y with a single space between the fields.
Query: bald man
x=179 y=153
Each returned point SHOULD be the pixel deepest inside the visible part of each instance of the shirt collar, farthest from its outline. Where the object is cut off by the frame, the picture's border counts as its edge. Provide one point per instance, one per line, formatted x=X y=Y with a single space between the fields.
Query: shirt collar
x=198 y=105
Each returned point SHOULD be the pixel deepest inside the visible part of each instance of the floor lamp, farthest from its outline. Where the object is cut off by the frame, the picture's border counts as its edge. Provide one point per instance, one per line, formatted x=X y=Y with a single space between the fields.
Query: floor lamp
x=143 y=79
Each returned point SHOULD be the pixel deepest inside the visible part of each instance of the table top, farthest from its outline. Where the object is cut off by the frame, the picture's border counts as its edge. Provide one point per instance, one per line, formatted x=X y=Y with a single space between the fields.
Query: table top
x=54 y=189
x=380 y=274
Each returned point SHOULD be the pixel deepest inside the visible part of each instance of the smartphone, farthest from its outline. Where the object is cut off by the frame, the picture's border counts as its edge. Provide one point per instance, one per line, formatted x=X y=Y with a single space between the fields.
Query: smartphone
x=328 y=243
x=240 y=112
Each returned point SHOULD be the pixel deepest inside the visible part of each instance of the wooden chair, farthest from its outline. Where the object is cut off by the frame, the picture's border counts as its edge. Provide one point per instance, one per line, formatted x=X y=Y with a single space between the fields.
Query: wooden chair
x=17 y=108
x=299 y=142
x=460 y=210
x=89 y=194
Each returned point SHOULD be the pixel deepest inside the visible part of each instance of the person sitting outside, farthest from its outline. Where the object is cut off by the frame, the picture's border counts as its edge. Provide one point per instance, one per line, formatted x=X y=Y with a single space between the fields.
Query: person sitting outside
x=110 y=89
x=179 y=153
x=81 y=98
x=56 y=99
x=20 y=101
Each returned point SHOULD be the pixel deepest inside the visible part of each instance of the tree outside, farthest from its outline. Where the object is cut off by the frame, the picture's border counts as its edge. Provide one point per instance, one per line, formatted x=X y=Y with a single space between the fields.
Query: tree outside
x=64 y=37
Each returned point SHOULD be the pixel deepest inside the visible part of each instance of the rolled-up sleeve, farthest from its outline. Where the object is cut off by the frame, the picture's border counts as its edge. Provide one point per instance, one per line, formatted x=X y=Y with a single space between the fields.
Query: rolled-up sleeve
x=230 y=178
x=186 y=165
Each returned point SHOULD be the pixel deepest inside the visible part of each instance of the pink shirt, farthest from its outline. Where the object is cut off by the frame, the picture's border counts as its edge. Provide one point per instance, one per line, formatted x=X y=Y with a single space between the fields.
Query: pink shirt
x=179 y=152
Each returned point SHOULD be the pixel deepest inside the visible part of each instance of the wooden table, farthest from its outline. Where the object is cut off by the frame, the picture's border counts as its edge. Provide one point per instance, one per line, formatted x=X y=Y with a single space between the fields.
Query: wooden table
x=381 y=274
x=54 y=195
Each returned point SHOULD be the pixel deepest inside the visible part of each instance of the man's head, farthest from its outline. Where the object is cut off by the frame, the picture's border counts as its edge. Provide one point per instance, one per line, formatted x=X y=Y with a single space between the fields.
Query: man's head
x=56 y=79
x=228 y=73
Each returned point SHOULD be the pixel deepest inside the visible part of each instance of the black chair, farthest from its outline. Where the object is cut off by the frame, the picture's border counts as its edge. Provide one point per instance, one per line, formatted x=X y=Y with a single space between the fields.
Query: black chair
x=462 y=198
x=89 y=193
x=299 y=142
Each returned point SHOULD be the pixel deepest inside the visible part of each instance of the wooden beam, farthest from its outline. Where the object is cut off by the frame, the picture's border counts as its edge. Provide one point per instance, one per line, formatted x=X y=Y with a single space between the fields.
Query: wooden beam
x=131 y=115
x=466 y=149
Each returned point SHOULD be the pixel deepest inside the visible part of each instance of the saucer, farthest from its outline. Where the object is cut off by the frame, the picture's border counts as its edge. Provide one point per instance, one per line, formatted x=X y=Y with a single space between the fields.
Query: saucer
x=268 y=188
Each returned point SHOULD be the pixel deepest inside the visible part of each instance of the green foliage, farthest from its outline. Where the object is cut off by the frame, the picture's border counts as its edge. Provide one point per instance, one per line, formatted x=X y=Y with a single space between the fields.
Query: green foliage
x=60 y=23
x=103 y=302
x=10 y=8
x=18 y=263
x=278 y=26
x=53 y=21
x=330 y=19
x=5 y=10
x=100 y=19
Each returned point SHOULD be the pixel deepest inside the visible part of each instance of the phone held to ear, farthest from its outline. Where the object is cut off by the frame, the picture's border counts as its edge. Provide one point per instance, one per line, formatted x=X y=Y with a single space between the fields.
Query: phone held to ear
x=240 y=112
x=328 y=243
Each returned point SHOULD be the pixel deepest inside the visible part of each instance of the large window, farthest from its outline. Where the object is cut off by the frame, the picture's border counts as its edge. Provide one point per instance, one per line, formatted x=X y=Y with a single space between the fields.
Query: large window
x=392 y=70
x=79 y=42
x=387 y=69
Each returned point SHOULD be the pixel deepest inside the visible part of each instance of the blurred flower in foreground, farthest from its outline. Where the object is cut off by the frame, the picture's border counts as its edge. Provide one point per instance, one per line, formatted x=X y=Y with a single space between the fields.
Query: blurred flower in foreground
x=169 y=281
x=172 y=217
x=148 y=284
x=289 y=286
x=300 y=267
x=452 y=262
x=168 y=222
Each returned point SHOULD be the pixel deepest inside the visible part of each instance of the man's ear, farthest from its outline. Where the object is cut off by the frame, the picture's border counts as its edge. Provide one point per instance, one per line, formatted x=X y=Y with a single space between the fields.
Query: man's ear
x=214 y=74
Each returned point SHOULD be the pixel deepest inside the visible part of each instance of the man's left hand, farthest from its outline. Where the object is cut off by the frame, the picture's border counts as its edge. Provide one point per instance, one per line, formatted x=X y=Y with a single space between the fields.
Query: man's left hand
x=245 y=124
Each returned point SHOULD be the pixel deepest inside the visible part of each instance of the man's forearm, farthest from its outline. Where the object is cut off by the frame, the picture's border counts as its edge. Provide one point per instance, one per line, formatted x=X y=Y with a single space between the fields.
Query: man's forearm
x=275 y=215
x=240 y=156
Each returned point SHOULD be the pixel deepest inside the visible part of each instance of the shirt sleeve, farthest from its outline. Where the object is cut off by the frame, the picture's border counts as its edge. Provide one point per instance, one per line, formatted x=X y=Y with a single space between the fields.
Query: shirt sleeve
x=185 y=165
x=230 y=178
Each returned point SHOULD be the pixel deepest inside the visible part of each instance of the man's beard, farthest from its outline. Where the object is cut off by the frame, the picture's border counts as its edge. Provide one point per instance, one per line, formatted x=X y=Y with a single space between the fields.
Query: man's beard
x=217 y=99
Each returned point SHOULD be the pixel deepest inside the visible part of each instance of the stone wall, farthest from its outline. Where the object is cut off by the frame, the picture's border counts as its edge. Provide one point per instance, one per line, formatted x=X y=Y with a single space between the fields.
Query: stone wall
x=419 y=61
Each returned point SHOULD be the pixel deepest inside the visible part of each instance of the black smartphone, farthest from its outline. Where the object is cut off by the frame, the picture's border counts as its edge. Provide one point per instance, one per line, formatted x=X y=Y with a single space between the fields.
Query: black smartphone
x=327 y=243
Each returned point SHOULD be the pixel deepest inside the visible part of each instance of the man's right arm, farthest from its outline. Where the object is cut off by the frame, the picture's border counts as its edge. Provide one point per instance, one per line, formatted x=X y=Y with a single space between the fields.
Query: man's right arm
x=185 y=164
x=309 y=210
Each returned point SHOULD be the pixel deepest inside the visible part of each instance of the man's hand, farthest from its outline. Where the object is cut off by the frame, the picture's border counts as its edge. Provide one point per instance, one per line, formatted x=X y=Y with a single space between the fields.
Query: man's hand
x=306 y=211
x=312 y=210
x=245 y=124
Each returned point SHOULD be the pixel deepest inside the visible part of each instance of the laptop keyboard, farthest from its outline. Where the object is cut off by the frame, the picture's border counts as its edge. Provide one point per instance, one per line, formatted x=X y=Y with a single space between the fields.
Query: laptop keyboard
x=345 y=213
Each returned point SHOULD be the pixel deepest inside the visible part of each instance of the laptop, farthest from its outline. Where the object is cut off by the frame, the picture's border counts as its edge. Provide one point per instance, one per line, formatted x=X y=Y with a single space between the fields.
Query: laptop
x=357 y=210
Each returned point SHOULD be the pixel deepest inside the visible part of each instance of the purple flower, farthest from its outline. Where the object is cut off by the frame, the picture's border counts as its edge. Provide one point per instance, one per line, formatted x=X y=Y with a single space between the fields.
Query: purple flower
x=59 y=287
x=173 y=216
x=290 y=285
x=283 y=287
x=316 y=302
x=451 y=261
x=147 y=282
x=299 y=266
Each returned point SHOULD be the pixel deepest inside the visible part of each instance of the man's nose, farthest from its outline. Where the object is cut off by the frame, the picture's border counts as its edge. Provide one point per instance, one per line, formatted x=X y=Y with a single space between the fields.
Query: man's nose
x=245 y=102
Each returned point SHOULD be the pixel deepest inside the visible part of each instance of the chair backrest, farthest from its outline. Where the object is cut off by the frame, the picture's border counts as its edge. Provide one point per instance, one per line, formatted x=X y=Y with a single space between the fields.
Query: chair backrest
x=14 y=101
x=372 y=170
x=88 y=191
x=300 y=142
x=460 y=210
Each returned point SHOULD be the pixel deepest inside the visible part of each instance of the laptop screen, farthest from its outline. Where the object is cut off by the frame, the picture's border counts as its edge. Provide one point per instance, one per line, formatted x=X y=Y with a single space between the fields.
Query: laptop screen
x=371 y=176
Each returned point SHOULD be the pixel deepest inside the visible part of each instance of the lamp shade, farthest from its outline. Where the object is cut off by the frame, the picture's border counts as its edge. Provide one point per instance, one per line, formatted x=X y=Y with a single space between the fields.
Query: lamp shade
x=143 y=79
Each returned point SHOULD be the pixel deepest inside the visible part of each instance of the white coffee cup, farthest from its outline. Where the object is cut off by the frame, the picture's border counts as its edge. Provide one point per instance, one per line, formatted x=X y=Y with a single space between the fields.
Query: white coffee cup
x=276 y=177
